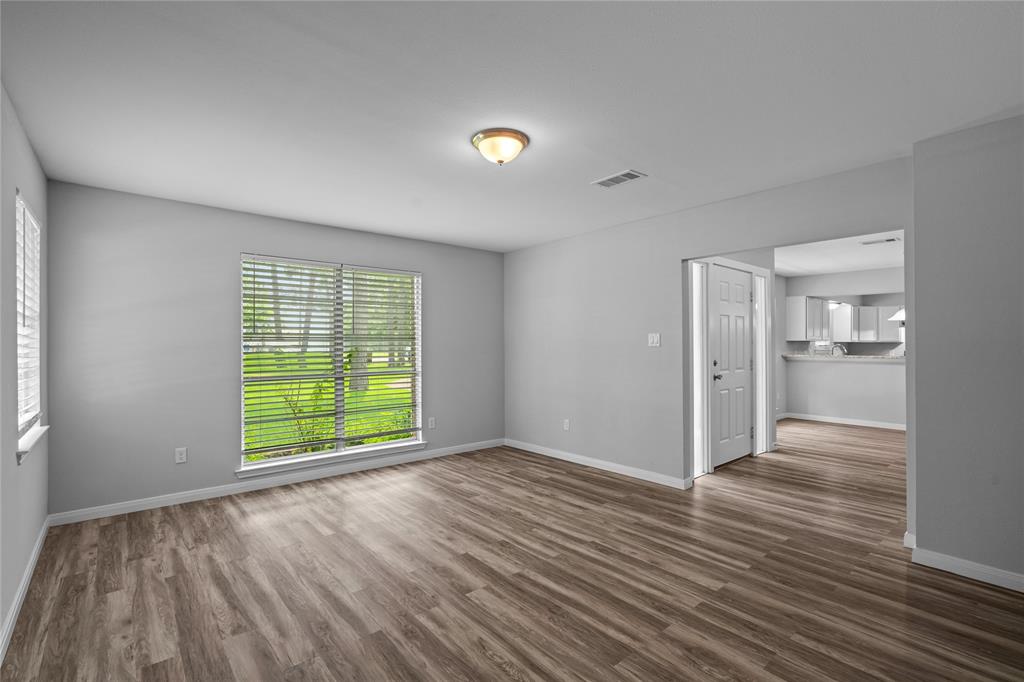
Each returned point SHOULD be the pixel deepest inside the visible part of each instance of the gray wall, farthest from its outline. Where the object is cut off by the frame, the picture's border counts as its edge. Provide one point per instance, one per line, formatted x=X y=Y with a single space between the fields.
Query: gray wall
x=23 y=501
x=577 y=311
x=968 y=248
x=897 y=298
x=857 y=283
x=868 y=391
x=145 y=345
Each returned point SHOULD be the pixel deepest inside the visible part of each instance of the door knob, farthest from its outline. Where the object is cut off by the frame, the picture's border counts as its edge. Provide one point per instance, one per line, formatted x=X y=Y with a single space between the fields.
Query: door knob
x=716 y=377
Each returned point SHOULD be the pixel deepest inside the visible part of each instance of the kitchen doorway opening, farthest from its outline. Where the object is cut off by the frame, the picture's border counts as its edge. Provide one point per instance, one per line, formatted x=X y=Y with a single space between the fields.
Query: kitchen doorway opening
x=795 y=335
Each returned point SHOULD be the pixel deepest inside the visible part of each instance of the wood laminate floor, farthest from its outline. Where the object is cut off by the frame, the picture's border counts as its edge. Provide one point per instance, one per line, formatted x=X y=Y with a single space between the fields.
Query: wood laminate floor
x=505 y=565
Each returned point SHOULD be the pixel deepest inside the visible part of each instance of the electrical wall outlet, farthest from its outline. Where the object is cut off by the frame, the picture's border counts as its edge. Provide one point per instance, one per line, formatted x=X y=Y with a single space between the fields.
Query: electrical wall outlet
x=565 y=424
x=654 y=339
x=180 y=455
x=431 y=423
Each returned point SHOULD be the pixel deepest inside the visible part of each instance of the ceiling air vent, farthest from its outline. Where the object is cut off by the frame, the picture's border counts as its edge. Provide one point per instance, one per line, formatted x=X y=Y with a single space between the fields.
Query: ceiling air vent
x=886 y=240
x=619 y=178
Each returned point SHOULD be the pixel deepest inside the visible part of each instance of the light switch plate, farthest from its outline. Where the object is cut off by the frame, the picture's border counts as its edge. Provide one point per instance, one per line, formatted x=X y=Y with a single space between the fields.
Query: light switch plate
x=431 y=423
x=654 y=339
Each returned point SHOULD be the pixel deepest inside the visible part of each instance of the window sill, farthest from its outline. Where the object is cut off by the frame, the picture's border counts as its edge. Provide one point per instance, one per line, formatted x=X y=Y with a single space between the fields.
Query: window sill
x=355 y=454
x=28 y=442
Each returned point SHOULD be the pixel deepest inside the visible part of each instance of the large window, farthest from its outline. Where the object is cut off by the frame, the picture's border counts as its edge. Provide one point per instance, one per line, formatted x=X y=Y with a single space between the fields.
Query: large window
x=330 y=357
x=28 y=273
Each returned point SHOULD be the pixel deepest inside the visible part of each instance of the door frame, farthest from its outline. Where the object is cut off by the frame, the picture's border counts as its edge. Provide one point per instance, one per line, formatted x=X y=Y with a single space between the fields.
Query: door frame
x=696 y=378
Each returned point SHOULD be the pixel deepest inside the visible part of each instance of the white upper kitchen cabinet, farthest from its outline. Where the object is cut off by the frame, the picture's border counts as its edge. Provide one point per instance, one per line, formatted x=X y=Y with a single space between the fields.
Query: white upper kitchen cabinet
x=822 y=327
x=807 y=319
x=887 y=329
x=865 y=323
x=841 y=323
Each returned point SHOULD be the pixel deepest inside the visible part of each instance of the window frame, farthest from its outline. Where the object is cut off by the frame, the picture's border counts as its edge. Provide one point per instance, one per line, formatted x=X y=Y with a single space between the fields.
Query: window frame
x=340 y=453
x=23 y=215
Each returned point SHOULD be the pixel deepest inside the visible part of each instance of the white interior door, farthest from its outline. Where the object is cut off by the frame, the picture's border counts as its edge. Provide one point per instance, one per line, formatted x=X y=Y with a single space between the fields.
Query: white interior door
x=731 y=370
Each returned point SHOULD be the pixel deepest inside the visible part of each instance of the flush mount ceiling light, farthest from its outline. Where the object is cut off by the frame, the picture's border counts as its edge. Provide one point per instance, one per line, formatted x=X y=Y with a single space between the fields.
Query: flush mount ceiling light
x=500 y=145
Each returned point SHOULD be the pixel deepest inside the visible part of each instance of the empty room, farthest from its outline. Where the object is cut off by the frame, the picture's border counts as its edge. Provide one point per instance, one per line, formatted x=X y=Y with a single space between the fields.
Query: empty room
x=511 y=341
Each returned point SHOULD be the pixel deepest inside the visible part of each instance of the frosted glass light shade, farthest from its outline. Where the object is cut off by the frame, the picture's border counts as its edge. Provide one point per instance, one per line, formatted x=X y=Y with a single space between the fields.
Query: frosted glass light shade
x=500 y=145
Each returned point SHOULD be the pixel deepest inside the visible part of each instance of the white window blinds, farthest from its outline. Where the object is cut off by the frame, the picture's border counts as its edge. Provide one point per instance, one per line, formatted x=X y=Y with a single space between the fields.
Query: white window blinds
x=28 y=274
x=330 y=357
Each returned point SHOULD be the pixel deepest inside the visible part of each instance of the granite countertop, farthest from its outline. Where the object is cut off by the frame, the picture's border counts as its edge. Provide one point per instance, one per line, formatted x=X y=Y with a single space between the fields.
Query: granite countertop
x=804 y=357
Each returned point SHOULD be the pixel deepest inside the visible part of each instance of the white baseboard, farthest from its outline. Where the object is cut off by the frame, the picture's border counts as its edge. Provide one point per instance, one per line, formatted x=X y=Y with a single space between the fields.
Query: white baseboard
x=268 y=481
x=11 y=617
x=969 y=569
x=909 y=540
x=842 y=420
x=632 y=472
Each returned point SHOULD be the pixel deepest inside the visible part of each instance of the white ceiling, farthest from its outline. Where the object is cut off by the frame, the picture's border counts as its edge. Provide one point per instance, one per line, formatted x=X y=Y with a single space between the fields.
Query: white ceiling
x=359 y=114
x=840 y=255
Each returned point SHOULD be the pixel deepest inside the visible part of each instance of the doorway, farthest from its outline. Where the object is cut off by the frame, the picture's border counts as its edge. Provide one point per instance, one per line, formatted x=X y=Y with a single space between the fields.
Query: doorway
x=729 y=324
